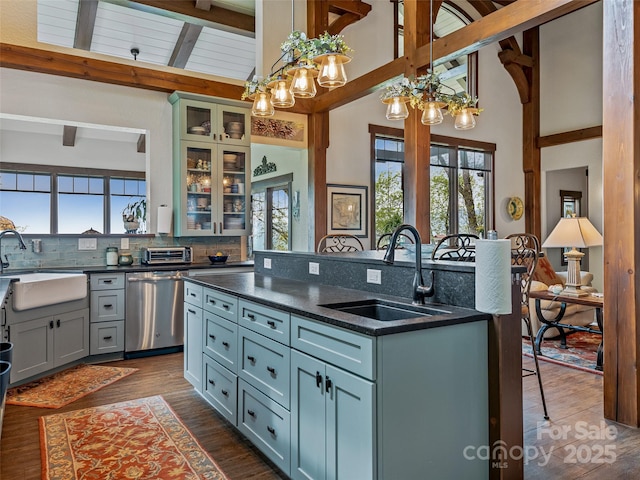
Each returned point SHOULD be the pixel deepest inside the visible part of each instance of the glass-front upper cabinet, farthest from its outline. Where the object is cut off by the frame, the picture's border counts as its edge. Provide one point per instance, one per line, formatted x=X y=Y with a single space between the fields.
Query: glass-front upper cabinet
x=204 y=121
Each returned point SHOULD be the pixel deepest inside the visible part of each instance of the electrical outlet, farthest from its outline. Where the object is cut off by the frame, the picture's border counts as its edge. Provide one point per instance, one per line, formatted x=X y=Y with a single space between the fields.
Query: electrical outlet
x=124 y=243
x=267 y=263
x=374 y=276
x=87 y=244
x=314 y=268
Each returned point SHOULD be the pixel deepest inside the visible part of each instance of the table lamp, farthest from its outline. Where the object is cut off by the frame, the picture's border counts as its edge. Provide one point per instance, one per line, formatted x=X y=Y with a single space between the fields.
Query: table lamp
x=574 y=232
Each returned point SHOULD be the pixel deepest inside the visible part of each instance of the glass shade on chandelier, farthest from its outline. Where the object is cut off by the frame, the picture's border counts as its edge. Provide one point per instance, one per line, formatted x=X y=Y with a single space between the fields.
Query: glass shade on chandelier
x=464 y=120
x=281 y=95
x=397 y=108
x=432 y=115
x=262 y=106
x=332 y=72
x=303 y=85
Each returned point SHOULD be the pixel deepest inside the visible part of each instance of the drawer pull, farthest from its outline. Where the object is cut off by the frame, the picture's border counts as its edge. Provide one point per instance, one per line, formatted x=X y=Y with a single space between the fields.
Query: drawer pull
x=58 y=323
x=251 y=413
x=251 y=316
x=225 y=306
x=251 y=358
x=192 y=294
x=212 y=382
x=108 y=281
x=225 y=344
x=225 y=393
x=107 y=338
x=271 y=430
x=50 y=323
x=191 y=311
x=271 y=370
x=108 y=305
x=328 y=385
x=212 y=301
x=212 y=337
x=318 y=379
x=271 y=323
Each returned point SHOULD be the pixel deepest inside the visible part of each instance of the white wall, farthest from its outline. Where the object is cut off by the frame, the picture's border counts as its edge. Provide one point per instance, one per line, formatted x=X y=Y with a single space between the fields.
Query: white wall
x=55 y=97
x=294 y=161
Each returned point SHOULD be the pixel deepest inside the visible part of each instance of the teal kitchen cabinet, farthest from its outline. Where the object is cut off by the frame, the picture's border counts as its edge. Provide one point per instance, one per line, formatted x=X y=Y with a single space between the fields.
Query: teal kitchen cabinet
x=332 y=422
x=193 y=325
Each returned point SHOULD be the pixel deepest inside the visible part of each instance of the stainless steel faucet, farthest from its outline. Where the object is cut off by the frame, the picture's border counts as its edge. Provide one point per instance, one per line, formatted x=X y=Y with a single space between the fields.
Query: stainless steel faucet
x=5 y=264
x=420 y=291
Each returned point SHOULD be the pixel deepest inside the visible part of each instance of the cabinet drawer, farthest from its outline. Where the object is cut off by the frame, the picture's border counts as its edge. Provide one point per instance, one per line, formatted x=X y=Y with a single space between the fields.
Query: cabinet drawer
x=106 y=281
x=349 y=350
x=193 y=294
x=220 y=340
x=221 y=304
x=266 y=365
x=107 y=305
x=266 y=424
x=107 y=337
x=269 y=322
x=220 y=388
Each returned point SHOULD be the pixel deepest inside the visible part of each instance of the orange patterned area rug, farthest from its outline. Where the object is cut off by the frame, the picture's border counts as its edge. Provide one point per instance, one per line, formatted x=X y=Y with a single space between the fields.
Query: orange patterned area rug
x=138 y=439
x=64 y=387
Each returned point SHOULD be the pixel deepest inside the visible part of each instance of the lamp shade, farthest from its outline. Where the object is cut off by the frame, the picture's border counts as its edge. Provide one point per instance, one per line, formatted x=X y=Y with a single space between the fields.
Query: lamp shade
x=573 y=232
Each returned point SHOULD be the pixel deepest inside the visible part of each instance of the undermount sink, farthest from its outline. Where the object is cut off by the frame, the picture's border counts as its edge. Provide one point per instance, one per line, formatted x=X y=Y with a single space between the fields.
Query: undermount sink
x=384 y=310
x=34 y=290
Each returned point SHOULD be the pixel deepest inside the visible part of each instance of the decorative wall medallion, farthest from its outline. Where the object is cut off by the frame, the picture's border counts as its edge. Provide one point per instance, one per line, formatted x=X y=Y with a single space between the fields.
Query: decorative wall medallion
x=515 y=208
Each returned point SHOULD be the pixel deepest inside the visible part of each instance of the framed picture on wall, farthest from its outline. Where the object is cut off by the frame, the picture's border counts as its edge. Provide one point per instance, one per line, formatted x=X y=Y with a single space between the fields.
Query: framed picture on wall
x=347 y=209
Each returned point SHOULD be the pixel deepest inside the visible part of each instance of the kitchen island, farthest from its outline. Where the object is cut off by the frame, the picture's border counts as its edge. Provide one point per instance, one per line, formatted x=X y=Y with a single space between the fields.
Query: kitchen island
x=329 y=394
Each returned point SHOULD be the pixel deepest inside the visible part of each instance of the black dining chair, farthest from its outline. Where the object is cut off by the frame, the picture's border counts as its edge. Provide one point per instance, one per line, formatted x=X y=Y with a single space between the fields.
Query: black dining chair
x=339 y=243
x=459 y=247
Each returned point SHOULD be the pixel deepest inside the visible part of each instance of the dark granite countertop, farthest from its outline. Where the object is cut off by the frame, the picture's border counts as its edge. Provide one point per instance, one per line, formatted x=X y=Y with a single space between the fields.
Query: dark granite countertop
x=305 y=299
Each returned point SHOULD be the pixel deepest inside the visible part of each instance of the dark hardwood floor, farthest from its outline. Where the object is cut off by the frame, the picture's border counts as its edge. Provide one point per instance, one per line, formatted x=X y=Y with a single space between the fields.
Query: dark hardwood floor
x=574 y=400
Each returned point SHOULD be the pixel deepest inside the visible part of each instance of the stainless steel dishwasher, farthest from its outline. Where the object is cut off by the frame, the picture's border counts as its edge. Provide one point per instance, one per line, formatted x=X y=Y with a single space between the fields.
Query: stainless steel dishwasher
x=154 y=313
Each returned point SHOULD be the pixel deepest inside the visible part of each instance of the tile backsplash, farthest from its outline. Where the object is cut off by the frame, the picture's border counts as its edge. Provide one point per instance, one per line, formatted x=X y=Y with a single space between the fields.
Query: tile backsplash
x=59 y=251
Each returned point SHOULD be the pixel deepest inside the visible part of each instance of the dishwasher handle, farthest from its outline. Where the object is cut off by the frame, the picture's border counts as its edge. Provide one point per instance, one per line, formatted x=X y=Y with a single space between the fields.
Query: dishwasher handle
x=155 y=279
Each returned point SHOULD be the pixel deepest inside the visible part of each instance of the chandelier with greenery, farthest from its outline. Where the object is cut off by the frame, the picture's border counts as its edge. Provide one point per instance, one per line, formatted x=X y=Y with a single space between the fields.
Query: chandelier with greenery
x=303 y=60
x=429 y=94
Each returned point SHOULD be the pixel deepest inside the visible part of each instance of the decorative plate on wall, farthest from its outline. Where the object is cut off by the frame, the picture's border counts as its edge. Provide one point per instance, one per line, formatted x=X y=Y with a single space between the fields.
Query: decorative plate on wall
x=515 y=208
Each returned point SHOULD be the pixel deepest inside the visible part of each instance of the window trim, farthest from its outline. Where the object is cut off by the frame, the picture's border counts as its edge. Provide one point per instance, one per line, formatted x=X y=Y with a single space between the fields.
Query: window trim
x=268 y=185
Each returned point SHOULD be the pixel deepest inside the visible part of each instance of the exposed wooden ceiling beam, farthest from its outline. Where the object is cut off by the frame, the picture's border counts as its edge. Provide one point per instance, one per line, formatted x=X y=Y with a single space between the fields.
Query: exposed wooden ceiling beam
x=184 y=46
x=516 y=17
x=218 y=15
x=142 y=143
x=87 y=10
x=355 y=7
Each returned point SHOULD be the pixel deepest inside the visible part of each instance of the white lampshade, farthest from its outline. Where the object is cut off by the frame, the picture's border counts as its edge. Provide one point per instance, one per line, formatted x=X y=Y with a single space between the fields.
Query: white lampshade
x=573 y=232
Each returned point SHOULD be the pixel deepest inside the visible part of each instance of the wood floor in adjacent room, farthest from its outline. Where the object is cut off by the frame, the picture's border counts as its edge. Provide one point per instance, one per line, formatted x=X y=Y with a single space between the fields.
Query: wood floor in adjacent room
x=574 y=399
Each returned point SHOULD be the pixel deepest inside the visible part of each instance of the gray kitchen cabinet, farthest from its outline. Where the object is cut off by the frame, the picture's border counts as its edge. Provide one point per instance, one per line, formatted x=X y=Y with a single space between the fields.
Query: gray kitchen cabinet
x=107 y=312
x=48 y=342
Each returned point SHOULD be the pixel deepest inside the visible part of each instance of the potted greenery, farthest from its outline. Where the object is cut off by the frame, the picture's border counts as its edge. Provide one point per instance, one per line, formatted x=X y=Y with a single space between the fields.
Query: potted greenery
x=134 y=214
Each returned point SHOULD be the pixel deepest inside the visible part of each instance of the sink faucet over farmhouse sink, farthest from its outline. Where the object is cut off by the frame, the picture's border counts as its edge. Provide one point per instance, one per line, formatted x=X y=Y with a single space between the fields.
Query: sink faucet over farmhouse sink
x=5 y=263
x=420 y=291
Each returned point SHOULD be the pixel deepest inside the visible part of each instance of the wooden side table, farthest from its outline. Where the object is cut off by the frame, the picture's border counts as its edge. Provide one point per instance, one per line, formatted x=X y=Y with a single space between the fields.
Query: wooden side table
x=588 y=300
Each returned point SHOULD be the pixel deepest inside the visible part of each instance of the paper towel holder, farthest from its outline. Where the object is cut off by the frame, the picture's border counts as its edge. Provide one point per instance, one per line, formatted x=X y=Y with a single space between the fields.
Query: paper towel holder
x=164 y=220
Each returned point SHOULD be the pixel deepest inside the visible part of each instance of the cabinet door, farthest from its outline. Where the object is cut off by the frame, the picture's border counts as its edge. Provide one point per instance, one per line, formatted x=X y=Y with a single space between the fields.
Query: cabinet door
x=195 y=187
x=193 y=346
x=71 y=336
x=32 y=347
x=234 y=125
x=350 y=426
x=197 y=121
x=234 y=163
x=308 y=417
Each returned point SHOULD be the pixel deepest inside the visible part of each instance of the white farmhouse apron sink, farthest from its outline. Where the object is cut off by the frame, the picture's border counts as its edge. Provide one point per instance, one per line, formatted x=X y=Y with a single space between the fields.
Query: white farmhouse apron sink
x=34 y=290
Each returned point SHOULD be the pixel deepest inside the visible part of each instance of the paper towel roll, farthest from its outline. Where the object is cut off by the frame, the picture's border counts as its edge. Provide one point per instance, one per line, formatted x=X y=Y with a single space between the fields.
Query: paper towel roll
x=164 y=219
x=493 y=276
